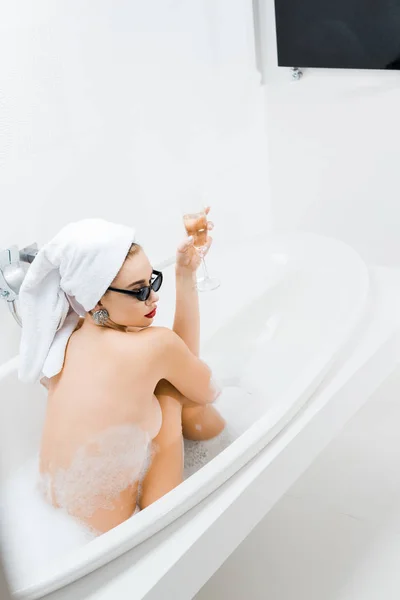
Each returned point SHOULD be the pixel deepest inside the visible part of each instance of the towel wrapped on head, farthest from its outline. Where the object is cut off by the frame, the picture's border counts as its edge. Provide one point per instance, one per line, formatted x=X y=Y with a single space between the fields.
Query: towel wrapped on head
x=68 y=277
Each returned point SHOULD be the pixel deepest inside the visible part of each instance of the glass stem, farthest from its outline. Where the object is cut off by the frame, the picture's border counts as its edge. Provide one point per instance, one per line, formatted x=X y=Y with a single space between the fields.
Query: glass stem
x=206 y=275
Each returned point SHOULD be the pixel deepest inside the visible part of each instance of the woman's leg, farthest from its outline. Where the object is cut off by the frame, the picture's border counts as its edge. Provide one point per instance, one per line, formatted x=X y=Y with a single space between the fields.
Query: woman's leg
x=199 y=423
x=179 y=415
x=166 y=468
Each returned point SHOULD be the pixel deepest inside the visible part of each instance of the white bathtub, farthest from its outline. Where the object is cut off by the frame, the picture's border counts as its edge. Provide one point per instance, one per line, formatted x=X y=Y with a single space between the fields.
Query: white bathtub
x=285 y=311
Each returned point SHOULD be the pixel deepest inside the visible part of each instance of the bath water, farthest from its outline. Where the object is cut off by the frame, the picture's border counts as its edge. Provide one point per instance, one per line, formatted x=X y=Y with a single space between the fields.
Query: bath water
x=34 y=535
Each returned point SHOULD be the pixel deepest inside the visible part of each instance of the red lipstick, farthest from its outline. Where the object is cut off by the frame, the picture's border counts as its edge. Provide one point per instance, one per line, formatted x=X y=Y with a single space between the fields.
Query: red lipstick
x=151 y=314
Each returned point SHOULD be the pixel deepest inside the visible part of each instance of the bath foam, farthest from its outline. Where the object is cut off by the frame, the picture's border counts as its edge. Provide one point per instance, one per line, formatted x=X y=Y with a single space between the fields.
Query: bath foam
x=34 y=534
x=100 y=471
x=198 y=454
x=216 y=388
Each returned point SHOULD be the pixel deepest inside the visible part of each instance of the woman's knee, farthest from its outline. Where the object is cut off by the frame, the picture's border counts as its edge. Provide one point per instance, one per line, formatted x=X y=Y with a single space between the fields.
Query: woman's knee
x=202 y=423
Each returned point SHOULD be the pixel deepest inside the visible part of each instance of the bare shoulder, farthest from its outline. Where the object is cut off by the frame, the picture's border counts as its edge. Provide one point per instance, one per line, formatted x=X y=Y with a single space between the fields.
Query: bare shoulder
x=160 y=337
x=152 y=339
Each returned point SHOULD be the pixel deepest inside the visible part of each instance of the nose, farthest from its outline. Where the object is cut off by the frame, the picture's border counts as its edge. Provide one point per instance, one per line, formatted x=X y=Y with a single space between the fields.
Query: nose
x=154 y=297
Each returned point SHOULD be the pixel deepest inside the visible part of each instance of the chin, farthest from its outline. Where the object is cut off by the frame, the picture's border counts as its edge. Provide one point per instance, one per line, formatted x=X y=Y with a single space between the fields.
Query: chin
x=146 y=321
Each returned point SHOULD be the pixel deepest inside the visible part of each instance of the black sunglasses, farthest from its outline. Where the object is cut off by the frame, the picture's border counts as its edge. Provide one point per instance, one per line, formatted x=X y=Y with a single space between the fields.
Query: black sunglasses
x=144 y=292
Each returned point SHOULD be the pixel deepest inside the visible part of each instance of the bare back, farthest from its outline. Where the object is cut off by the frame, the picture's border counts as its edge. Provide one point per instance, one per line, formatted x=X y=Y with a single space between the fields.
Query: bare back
x=101 y=417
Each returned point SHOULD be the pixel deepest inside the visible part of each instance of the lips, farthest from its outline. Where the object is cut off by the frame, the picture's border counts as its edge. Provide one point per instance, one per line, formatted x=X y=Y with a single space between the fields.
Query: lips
x=151 y=314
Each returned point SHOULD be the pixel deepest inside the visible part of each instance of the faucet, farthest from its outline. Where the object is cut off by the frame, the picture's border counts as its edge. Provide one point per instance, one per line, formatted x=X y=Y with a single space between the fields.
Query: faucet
x=14 y=264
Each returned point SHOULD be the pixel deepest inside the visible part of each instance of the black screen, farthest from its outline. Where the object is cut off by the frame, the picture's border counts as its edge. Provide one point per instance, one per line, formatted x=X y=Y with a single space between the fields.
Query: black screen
x=352 y=34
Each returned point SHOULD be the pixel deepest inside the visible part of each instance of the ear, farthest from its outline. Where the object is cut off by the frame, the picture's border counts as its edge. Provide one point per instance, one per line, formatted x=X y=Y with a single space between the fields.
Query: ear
x=98 y=306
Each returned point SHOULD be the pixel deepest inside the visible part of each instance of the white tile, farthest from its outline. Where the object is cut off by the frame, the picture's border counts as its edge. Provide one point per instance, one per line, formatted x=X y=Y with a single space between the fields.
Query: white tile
x=359 y=473
x=336 y=535
x=299 y=552
x=377 y=574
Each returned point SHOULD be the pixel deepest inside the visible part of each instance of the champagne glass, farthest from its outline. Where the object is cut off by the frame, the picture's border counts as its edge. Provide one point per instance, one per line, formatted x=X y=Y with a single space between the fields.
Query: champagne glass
x=195 y=222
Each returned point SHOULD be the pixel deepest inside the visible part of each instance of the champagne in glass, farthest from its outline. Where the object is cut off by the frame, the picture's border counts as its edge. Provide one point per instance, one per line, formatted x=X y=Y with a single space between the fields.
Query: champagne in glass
x=195 y=221
x=196 y=226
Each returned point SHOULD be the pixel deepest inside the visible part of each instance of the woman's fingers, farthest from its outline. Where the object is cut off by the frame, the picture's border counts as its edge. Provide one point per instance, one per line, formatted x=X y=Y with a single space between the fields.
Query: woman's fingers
x=210 y=225
x=185 y=245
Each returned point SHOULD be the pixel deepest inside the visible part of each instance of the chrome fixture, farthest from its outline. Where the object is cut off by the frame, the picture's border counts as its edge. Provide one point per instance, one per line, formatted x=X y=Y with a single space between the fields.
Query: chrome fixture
x=297 y=73
x=14 y=264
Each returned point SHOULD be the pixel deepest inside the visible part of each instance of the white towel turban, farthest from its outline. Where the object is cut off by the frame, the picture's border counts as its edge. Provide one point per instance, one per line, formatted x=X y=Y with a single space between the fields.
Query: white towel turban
x=68 y=277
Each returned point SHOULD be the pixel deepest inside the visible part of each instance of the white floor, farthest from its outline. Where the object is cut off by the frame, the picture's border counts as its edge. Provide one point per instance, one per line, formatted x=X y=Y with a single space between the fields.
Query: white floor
x=336 y=534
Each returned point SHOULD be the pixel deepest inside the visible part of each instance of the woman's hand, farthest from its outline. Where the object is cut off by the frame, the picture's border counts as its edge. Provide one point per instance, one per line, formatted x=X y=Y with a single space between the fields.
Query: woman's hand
x=188 y=258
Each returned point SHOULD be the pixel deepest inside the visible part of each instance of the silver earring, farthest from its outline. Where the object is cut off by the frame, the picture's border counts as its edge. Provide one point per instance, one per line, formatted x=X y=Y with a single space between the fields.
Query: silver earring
x=100 y=317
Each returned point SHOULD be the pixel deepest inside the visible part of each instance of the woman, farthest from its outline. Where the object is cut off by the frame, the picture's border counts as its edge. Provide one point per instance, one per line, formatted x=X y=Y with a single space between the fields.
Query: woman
x=126 y=395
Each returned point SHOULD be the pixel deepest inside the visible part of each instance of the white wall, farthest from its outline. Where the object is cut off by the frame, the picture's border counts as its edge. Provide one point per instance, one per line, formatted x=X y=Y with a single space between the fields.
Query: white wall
x=114 y=108
x=334 y=147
